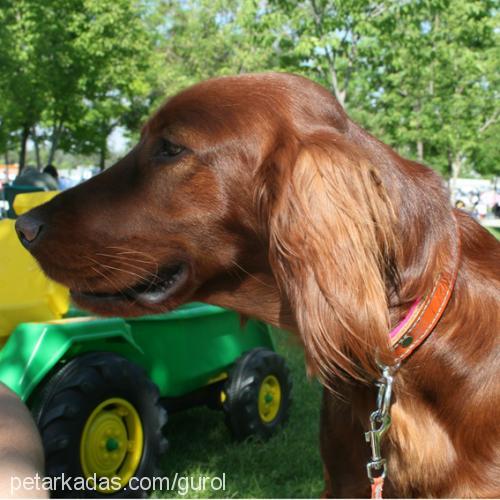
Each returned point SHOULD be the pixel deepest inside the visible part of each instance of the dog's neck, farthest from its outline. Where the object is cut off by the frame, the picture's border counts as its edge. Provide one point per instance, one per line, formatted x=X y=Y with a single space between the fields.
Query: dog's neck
x=428 y=234
x=423 y=230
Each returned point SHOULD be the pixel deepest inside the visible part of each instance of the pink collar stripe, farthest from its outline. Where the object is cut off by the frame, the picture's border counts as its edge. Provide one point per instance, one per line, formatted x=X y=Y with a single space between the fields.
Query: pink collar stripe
x=395 y=331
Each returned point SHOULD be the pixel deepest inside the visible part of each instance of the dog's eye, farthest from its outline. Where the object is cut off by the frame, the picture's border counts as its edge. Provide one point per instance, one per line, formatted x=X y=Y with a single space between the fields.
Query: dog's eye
x=169 y=150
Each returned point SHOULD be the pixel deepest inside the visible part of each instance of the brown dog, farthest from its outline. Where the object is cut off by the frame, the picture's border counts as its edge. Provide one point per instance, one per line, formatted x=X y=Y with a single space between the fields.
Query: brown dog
x=258 y=193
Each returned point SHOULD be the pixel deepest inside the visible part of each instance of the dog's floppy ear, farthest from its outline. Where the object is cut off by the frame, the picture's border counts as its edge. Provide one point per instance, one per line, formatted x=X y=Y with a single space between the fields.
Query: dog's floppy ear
x=330 y=232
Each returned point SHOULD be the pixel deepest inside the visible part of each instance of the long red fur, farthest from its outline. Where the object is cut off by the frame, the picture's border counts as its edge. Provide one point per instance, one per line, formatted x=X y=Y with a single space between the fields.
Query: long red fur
x=284 y=209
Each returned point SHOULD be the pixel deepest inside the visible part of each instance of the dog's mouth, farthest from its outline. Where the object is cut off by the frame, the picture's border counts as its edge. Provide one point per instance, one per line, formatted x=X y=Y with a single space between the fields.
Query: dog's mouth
x=153 y=291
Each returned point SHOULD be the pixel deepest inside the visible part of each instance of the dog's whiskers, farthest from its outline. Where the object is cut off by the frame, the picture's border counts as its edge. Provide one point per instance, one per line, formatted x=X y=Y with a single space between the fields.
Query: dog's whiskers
x=119 y=256
x=129 y=251
x=115 y=286
x=142 y=278
x=109 y=280
x=125 y=254
x=142 y=269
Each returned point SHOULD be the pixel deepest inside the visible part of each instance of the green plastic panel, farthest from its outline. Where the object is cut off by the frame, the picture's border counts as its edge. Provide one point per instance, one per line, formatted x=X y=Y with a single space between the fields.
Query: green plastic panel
x=181 y=350
x=186 y=348
x=33 y=349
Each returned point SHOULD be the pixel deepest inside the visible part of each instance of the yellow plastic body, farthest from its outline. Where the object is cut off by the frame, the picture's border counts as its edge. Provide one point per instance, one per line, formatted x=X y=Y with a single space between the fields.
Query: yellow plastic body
x=26 y=201
x=26 y=294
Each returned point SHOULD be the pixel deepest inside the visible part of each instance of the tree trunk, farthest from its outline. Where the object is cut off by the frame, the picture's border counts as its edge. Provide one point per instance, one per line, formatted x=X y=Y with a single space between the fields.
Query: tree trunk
x=420 y=143
x=106 y=129
x=456 y=165
x=22 y=153
x=56 y=135
x=450 y=161
x=37 y=148
x=52 y=153
x=420 y=151
x=450 y=172
x=342 y=96
x=7 y=163
x=102 y=155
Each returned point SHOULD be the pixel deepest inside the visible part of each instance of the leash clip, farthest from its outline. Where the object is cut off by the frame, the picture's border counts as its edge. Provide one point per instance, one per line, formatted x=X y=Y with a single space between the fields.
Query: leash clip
x=380 y=421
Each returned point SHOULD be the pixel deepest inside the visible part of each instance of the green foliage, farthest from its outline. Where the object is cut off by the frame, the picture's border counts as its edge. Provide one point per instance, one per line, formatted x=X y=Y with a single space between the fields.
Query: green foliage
x=74 y=69
x=437 y=81
x=115 y=50
x=326 y=40
x=22 y=89
x=206 y=38
x=422 y=75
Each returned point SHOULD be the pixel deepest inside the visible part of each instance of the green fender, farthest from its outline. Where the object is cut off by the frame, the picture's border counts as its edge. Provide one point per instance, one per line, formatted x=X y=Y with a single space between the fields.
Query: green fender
x=33 y=349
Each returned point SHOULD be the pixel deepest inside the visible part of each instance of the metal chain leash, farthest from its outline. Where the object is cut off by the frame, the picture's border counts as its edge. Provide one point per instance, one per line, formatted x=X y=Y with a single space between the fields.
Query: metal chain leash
x=380 y=421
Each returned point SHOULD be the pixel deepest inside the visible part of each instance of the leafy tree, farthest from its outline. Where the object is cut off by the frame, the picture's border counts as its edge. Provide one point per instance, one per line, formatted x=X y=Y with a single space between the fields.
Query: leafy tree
x=74 y=67
x=435 y=91
x=326 y=40
x=206 y=38
x=420 y=74
x=116 y=50
x=22 y=88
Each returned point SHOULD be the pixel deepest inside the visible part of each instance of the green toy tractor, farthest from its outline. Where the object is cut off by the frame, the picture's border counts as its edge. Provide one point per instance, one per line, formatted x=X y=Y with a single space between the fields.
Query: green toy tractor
x=100 y=389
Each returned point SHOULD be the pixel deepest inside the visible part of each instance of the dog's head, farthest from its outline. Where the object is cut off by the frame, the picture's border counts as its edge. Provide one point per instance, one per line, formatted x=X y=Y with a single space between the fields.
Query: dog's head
x=249 y=192
x=178 y=210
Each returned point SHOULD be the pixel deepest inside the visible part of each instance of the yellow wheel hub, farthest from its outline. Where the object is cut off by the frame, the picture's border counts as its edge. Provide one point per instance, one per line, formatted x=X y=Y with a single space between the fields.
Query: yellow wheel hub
x=269 y=398
x=112 y=443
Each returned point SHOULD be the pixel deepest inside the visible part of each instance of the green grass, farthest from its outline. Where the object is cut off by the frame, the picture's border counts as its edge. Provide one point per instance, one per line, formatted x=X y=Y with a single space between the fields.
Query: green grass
x=495 y=231
x=288 y=465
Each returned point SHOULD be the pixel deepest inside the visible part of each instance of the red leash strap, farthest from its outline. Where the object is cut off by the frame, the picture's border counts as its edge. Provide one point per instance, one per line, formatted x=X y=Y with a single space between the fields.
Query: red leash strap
x=377 y=487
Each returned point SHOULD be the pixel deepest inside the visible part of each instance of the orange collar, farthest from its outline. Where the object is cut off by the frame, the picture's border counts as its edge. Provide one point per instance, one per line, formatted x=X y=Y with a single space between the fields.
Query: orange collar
x=417 y=325
x=425 y=312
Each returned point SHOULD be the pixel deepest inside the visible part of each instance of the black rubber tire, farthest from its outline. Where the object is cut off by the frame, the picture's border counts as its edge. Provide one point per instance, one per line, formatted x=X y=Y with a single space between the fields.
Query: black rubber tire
x=68 y=398
x=242 y=394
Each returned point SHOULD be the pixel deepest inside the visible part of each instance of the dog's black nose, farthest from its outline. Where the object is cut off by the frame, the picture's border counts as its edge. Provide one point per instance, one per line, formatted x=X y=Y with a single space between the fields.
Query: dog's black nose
x=28 y=229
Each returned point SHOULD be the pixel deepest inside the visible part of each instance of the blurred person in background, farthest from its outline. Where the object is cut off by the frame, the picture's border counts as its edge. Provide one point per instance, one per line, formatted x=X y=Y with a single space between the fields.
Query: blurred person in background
x=52 y=172
x=46 y=180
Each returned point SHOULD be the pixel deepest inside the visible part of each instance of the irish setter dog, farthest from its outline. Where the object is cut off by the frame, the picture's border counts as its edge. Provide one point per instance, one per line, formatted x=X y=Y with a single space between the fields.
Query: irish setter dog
x=258 y=193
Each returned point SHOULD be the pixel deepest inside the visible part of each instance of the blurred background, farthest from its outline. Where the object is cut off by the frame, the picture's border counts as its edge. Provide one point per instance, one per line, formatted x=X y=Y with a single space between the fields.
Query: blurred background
x=79 y=77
